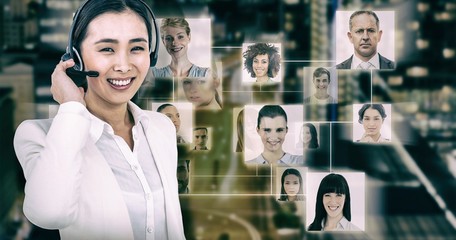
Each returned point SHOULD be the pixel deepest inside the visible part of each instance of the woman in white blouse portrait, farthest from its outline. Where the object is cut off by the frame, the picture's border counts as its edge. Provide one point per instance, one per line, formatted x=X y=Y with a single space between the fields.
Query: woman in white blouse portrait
x=332 y=206
x=103 y=168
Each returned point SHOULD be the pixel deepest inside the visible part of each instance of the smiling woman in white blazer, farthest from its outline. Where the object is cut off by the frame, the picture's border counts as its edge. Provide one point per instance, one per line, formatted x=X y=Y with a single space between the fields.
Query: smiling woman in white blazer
x=103 y=168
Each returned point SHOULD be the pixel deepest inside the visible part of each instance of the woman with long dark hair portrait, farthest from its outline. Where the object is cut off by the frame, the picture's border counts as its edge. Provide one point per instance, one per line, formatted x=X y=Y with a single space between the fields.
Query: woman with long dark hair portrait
x=332 y=207
x=308 y=137
x=291 y=186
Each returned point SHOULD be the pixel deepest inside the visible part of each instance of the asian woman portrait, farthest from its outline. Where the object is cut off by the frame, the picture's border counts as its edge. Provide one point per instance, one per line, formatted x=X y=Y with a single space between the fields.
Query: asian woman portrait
x=308 y=137
x=291 y=186
x=103 y=168
x=332 y=207
x=262 y=62
x=372 y=117
x=176 y=37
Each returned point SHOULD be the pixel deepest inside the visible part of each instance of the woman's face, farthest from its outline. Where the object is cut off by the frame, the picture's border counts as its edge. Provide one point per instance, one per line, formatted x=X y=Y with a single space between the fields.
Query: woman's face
x=176 y=41
x=174 y=115
x=260 y=65
x=272 y=132
x=305 y=134
x=120 y=54
x=334 y=204
x=291 y=185
x=199 y=91
x=372 y=122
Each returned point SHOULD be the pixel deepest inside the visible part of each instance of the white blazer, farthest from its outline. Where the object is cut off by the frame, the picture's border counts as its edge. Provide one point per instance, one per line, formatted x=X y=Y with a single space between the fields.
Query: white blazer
x=71 y=187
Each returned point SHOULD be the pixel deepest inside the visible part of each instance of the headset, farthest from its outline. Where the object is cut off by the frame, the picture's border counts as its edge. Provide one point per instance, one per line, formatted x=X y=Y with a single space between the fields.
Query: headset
x=77 y=73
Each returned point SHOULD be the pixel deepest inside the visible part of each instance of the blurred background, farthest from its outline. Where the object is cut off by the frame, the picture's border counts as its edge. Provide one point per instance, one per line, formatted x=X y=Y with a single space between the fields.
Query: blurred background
x=410 y=184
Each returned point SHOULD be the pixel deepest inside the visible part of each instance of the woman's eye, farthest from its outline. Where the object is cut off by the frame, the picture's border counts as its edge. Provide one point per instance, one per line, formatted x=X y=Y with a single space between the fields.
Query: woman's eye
x=137 y=49
x=106 y=50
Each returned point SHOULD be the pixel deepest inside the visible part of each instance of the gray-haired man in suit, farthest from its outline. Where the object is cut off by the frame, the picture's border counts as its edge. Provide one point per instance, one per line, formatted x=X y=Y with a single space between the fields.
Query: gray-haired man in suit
x=365 y=34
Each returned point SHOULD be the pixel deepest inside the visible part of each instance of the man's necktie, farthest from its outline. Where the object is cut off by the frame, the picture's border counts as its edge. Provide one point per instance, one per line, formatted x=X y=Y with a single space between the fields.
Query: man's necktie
x=365 y=65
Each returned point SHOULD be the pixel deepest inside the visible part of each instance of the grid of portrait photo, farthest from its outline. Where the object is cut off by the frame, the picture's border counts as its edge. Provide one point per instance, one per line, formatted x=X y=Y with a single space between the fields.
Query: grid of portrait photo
x=277 y=148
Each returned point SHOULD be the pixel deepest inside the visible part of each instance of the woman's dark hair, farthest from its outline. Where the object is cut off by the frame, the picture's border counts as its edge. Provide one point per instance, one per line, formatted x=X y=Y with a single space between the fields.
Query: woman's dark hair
x=378 y=107
x=163 y=106
x=271 y=111
x=320 y=71
x=260 y=49
x=314 y=136
x=332 y=183
x=93 y=9
x=283 y=194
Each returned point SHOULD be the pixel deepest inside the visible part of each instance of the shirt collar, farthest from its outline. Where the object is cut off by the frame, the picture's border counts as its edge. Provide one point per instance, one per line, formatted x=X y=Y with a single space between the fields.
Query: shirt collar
x=97 y=125
x=284 y=160
x=341 y=225
x=375 y=61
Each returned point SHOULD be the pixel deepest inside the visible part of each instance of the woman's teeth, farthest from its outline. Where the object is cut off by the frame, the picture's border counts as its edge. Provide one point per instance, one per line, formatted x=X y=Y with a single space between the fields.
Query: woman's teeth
x=119 y=82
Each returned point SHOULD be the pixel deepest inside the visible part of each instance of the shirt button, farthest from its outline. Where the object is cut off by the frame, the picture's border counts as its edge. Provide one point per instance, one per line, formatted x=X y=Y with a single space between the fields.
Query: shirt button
x=134 y=167
x=150 y=229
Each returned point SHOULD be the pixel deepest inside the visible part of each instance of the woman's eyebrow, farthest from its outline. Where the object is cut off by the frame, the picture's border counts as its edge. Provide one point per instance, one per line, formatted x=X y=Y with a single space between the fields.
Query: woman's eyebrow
x=134 y=40
x=111 y=40
x=106 y=40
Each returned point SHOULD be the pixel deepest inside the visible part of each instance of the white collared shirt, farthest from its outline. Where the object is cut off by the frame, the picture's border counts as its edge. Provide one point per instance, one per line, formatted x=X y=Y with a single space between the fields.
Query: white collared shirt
x=375 y=61
x=136 y=173
x=342 y=225
x=287 y=159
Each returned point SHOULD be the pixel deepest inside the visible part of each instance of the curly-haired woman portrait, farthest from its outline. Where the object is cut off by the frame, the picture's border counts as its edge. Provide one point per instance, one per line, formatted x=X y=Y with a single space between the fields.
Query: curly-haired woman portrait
x=262 y=62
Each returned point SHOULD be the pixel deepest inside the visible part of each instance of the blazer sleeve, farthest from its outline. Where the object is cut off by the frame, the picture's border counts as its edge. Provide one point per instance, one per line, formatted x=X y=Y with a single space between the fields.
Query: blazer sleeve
x=49 y=152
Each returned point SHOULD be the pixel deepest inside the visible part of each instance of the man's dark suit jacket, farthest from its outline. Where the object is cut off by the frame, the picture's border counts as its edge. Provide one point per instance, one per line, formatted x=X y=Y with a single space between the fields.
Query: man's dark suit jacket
x=385 y=63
